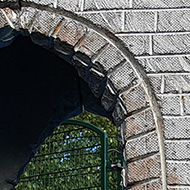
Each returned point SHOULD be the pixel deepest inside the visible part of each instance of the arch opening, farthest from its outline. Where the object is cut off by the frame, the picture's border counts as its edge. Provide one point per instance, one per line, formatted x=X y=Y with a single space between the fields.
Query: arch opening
x=39 y=91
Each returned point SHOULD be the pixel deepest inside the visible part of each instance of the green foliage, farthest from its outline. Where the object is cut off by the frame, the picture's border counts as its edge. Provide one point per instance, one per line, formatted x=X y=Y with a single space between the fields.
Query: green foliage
x=70 y=158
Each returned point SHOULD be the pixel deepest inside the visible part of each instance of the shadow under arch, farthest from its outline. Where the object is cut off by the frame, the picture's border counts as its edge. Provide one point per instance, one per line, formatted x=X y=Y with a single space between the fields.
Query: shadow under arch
x=39 y=90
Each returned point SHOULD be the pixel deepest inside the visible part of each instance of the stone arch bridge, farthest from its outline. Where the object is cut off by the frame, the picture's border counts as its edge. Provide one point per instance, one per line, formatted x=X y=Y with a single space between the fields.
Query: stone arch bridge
x=132 y=58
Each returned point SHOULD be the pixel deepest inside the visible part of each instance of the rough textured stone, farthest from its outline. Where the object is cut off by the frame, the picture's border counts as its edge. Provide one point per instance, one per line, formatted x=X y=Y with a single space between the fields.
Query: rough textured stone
x=92 y=44
x=109 y=20
x=165 y=64
x=109 y=97
x=44 y=22
x=73 y=5
x=119 y=113
x=178 y=173
x=139 y=123
x=102 y=4
x=71 y=32
x=177 y=150
x=177 y=128
x=171 y=44
x=170 y=105
x=187 y=105
x=141 y=146
x=3 y=21
x=134 y=99
x=144 y=169
x=123 y=77
x=154 y=185
x=139 y=21
x=174 y=21
x=110 y=58
x=155 y=83
x=160 y=3
x=177 y=84
x=138 y=45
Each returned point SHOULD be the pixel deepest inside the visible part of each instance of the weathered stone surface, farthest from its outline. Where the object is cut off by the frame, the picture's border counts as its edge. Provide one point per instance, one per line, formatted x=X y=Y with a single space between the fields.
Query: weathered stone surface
x=42 y=2
x=177 y=128
x=135 y=99
x=110 y=58
x=139 y=123
x=102 y=4
x=160 y=3
x=177 y=150
x=45 y=23
x=154 y=185
x=174 y=20
x=109 y=20
x=71 y=32
x=155 y=82
x=165 y=64
x=170 y=105
x=178 y=173
x=177 y=83
x=139 y=21
x=119 y=113
x=3 y=21
x=138 y=45
x=73 y=5
x=27 y=15
x=109 y=97
x=187 y=104
x=141 y=146
x=92 y=44
x=123 y=77
x=83 y=64
x=144 y=169
x=171 y=44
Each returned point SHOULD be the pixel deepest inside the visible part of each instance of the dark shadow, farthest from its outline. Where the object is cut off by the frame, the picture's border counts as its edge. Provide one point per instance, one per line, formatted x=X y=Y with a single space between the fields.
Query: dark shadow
x=38 y=91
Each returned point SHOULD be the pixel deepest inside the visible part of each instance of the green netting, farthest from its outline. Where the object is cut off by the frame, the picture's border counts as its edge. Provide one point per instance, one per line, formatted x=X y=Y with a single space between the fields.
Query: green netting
x=71 y=159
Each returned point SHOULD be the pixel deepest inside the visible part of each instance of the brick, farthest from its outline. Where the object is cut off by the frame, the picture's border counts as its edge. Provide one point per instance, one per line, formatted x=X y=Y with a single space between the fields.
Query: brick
x=170 y=105
x=142 y=146
x=26 y=17
x=69 y=5
x=45 y=23
x=139 y=123
x=139 y=22
x=138 y=45
x=3 y=21
x=123 y=77
x=177 y=128
x=109 y=20
x=174 y=20
x=144 y=169
x=155 y=83
x=178 y=173
x=179 y=83
x=171 y=44
x=102 y=4
x=187 y=105
x=177 y=150
x=110 y=58
x=160 y=3
x=92 y=44
x=165 y=64
x=135 y=99
x=155 y=185
x=71 y=32
x=41 y=2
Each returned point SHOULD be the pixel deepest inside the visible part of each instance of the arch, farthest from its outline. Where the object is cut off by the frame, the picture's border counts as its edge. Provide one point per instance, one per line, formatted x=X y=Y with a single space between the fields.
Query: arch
x=126 y=92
